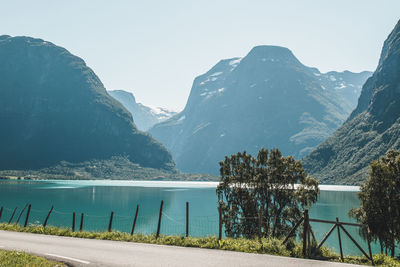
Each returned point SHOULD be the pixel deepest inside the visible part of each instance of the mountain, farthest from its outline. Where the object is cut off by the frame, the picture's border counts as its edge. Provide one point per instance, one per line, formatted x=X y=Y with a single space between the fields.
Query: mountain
x=144 y=117
x=372 y=129
x=347 y=84
x=268 y=98
x=54 y=108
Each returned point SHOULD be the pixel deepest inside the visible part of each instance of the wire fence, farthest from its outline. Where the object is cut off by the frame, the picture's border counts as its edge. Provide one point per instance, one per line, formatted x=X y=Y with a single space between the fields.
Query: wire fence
x=160 y=223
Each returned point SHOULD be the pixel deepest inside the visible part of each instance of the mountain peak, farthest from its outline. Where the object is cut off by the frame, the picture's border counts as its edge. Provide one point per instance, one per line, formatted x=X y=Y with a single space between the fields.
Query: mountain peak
x=55 y=109
x=144 y=117
x=391 y=44
x=268 y=98
x=271 y=54
x=3 y=37
x=274 y=49
x=372 y=129
x=123 y=94
x=26 y=40
x=270 y=51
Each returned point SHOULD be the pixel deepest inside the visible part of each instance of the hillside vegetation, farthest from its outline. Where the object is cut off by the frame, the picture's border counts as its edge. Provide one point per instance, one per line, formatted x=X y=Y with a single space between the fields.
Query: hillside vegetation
x=372 y=129
x=54 y=108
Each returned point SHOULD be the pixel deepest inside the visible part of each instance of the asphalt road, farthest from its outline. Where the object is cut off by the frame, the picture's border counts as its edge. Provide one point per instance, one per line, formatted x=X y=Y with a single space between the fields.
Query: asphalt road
x=89 y=252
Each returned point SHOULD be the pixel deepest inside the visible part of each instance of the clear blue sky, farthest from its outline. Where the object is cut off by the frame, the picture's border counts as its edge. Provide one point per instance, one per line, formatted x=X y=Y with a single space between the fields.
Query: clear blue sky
x=156 y=48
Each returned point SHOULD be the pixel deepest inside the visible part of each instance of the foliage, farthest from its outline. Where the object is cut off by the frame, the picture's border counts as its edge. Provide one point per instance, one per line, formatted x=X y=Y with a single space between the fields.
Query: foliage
x=120 y=168
x=267 y=245
x=271 y=246
x=384 y=260
x=372 y=129
x=380 y=201
x=266 y=184
x=21 y=259
x=53 y=107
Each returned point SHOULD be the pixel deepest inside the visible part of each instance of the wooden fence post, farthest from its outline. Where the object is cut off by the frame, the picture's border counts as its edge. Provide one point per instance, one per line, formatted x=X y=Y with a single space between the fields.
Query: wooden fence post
x=73 y=221
x=340 y=240
x=47 y=217
x=260 y=220
x=312 y=233
x=309 y=240
x=326 y=236
x=81 y=225
x=27 y=215
x=305 y=231
x=220 y=222
x=111 y=220
x=1 y=211
x=159 y=219
x=134 y=220
x=187 y=219
x=12 y=216
x=293 y=230
x=369 y=246
x=20 y=214
x=355 y=242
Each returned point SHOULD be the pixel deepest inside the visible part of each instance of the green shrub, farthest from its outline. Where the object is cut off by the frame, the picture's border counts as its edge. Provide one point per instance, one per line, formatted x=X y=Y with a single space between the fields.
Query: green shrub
x=272 y=246
x=16 y=258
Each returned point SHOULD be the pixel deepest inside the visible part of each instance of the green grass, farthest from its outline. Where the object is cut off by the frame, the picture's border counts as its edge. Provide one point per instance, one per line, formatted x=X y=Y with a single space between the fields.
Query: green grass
x=270 y=246
x=21 y=259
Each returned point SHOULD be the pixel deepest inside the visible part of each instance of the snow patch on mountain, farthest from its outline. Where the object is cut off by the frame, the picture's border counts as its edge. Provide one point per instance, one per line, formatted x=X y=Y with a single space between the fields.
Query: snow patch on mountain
x=235 y=62
x=143 y=116
x=216 y=73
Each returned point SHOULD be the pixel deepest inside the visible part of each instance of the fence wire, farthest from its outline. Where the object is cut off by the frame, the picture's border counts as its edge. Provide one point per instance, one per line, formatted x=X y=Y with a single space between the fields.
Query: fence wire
x=171 y=224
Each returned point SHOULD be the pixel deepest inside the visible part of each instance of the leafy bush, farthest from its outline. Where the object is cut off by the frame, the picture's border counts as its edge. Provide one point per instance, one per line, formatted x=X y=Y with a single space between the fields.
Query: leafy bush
x=20 y=259
x=272 y=246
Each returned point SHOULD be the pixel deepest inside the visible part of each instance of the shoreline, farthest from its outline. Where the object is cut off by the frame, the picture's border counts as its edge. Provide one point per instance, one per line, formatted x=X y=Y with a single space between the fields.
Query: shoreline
x=169 y=184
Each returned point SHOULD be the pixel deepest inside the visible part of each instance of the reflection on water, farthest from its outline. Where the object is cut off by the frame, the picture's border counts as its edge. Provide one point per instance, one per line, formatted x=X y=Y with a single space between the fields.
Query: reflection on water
x=96 y=199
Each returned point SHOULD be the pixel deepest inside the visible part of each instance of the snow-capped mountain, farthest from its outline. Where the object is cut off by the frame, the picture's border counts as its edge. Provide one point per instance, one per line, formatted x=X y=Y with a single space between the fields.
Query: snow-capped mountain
x=347 y=84
x=268 y=98
x=143 y=116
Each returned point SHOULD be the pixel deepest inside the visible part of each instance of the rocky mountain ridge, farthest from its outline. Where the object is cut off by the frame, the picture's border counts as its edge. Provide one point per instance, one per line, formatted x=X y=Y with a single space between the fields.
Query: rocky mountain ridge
x=372 y=129
x=268 y=98
x=144 y=117
x=54 y=108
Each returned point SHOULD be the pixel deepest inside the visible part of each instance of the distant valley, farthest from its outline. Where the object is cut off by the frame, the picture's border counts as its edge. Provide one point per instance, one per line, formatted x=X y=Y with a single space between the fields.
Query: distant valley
x=59 y=121
x=144 y=117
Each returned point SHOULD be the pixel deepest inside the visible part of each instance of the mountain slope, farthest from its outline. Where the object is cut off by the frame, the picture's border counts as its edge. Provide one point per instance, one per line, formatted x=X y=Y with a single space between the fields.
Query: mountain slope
x=144 y=117
x=53 y=108
x=267 y=98
x=372 y=129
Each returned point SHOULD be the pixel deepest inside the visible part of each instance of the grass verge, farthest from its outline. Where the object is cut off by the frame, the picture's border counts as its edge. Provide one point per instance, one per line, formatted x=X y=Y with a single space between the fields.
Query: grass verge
x=21 y=259
x=272 y=246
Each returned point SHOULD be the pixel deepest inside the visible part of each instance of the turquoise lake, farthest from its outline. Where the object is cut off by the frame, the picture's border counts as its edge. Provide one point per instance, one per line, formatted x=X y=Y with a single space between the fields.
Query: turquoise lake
x=96 y=199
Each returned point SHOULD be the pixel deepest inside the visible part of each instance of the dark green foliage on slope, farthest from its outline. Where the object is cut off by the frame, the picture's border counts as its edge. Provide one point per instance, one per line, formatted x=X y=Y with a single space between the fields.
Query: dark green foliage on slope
x=115 y=168
x=268 y=99
x=372 y=129
x=53 y=108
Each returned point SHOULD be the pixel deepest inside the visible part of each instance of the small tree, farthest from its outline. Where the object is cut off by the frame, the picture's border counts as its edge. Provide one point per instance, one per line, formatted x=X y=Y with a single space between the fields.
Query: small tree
x=264 y=184
x=380 y=201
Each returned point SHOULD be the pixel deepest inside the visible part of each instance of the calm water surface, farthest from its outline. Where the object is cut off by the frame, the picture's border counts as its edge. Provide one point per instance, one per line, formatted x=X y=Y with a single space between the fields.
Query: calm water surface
x=96 y=199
